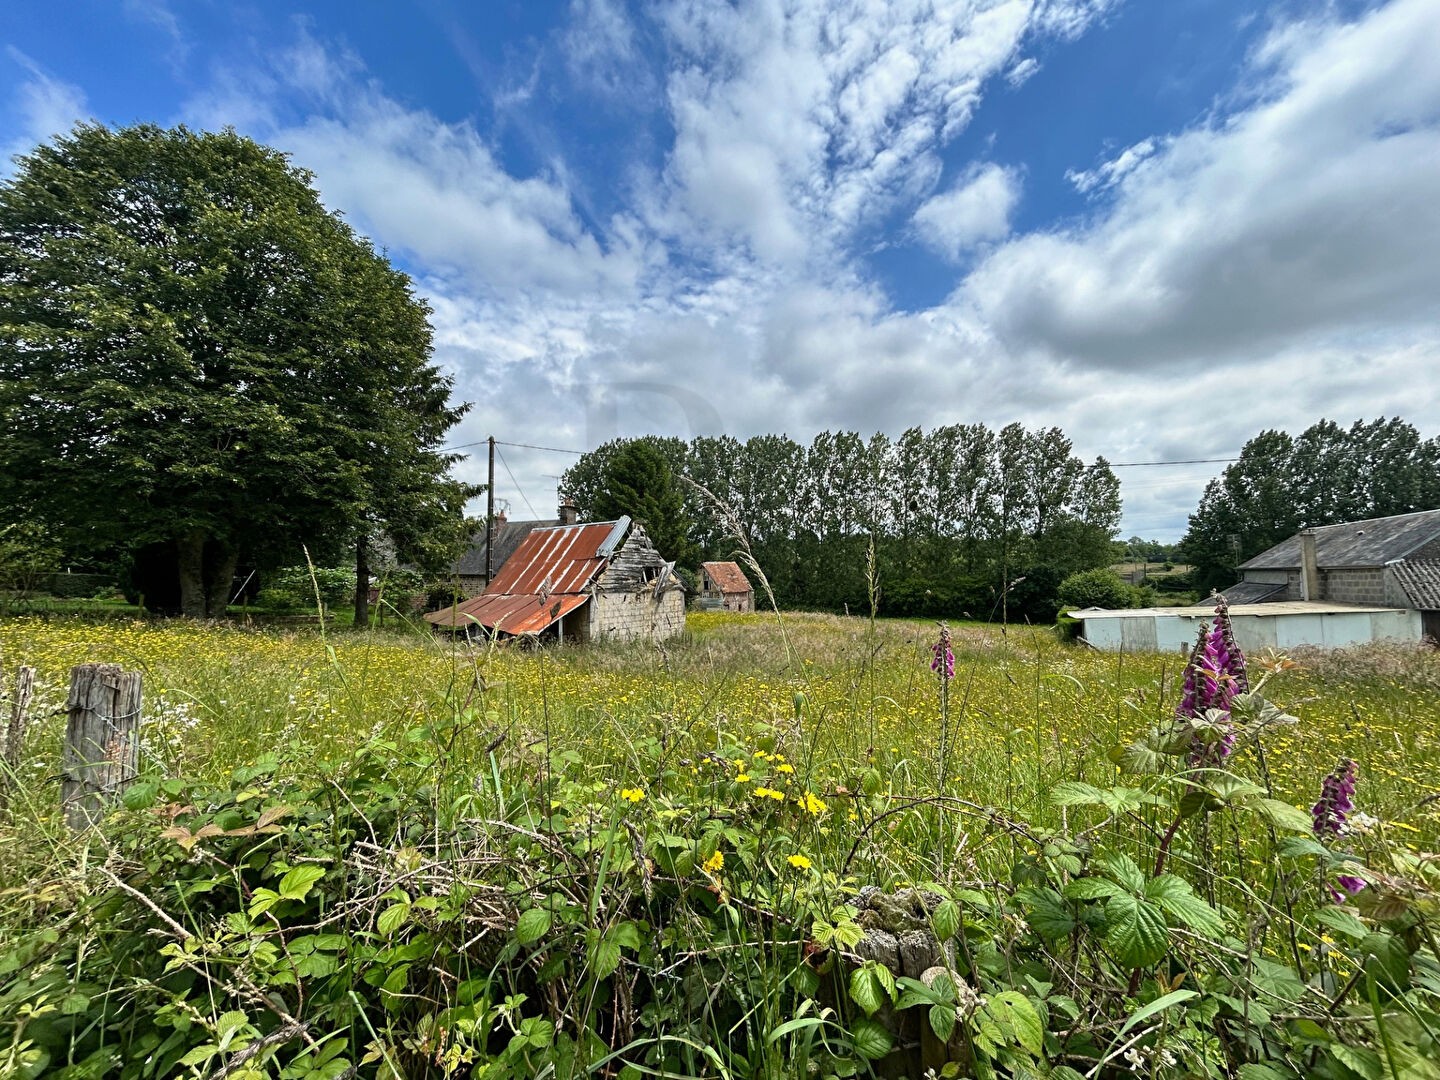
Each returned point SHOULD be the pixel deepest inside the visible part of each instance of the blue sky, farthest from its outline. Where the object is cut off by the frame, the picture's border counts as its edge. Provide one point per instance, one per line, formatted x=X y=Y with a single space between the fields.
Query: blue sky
x=1161 y=225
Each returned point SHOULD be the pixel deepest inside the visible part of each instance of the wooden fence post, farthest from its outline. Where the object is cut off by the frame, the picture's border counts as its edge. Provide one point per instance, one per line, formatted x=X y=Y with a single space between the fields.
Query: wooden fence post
x=15 y=731
x=102 y=740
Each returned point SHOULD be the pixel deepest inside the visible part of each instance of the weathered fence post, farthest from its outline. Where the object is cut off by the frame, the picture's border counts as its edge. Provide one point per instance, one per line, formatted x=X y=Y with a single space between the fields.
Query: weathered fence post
x=102 y=740
x=15 y=730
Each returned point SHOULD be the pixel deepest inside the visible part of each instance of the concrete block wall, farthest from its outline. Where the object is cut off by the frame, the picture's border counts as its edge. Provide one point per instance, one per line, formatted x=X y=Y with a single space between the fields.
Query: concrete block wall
x=1365 y=585
x=634 y=616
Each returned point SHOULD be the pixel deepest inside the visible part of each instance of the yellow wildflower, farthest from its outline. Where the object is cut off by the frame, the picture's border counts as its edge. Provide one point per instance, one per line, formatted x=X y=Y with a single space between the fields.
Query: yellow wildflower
x=785 y=768
x=714 y=862
x=799 y=862
x=743 y=778
x=632 y=794
x=812 y=804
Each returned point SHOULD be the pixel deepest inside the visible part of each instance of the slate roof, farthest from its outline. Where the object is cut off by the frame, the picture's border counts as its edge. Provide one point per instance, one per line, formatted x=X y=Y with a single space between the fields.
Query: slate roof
x=1372 y=542
x=727 y=577
x=545 y=579
x=508 y=537
x=1251 y=592
x=1420 y=579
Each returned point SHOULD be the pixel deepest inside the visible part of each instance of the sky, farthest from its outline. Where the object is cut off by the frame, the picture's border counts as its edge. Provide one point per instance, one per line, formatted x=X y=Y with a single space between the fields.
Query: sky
x=1162 y=226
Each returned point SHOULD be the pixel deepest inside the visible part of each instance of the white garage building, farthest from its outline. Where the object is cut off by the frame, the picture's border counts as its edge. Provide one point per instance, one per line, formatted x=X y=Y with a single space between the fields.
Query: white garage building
x=1281 y=625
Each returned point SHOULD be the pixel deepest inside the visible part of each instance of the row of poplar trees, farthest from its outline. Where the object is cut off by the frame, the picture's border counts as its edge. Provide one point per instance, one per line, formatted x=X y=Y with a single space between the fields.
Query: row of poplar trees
x=961 y=519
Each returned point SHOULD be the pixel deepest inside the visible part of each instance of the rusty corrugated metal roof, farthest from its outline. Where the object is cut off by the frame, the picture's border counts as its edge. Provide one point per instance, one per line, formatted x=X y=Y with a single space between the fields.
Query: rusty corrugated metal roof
x=515 y=614
x=545 y=579
x=727 y=577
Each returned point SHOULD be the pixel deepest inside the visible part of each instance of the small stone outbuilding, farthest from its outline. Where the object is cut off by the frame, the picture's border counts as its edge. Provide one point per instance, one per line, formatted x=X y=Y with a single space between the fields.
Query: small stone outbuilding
x=724 y=587
x=599 y=581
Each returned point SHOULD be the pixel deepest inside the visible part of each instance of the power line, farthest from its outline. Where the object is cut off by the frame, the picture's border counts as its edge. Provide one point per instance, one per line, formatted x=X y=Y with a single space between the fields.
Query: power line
x=1188 y=461
x=534 y=516
x=552 y=449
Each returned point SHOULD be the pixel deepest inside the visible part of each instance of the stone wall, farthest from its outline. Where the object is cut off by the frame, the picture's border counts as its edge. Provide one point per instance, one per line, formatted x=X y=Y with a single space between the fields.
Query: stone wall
x=637 y=615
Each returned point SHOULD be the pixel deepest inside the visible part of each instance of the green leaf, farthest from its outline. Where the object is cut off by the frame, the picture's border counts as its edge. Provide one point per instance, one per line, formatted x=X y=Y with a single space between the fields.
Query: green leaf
x=1018 y=1013
x=1136 y=931
x=1359 y=1059
x=626 y=935
x=1090 y=888
x=392 y=918
x=1046 y=912
x=1076 y=793
x=296 y=884
x=604 y=959
x=1262 y=1072
x=871 y=1041
x=1123 y=869
x=946 y=920
x=942 y=1021
x=532 y=925
x=866 y=989
x=1283 y=815
x=1180 y=902
x=1159 y=1005
x=1341 y=922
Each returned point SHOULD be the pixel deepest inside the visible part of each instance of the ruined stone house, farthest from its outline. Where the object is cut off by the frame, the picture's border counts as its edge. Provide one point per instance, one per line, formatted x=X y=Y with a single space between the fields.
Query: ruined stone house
x=599 y=581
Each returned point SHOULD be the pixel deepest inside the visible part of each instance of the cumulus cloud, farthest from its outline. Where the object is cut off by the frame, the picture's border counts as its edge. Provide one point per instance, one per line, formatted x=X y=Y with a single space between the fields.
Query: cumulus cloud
x=1271 y=263
x=977 y=208
x=1309 y=214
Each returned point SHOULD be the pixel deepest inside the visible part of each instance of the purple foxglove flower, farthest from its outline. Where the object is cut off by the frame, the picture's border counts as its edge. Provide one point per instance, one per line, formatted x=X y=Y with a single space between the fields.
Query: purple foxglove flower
x=1336 y=801
x=943 y=659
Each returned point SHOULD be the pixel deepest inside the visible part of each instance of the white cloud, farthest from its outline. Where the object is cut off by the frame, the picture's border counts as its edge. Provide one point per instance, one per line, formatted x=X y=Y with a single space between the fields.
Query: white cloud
x=797 y=124
x=46 y=106
x=1310 y=214
x=977 y=208
x=1109 y=173
x=1269 y=265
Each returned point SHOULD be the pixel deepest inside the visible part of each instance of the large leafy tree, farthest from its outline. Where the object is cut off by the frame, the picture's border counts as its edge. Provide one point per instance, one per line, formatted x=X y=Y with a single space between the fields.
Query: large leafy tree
x=1327 y=475
x=199 y=363
x=638 y=481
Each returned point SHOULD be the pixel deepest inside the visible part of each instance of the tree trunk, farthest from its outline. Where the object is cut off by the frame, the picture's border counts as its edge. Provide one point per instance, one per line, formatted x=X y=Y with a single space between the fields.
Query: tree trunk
x=220 y=560
x=191 y=551
x=362 y=583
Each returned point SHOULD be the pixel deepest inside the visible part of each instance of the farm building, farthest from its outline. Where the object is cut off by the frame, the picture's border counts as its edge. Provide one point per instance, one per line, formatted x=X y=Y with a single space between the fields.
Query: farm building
x=1281 y=625
x=1390 y=561
x=590 y=582
x=1335 y=585
x=724 y=587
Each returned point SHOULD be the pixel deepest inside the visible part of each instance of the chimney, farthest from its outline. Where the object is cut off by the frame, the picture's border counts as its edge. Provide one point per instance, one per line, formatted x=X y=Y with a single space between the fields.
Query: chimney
x=1309 y=567
x=569 y=512
x=501 y=517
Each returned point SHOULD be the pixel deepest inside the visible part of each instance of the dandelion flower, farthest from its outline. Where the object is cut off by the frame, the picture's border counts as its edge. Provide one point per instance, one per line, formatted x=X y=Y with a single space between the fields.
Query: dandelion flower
x=785 y=768
x=799 y=862
x=632 y=794
x=714 y=863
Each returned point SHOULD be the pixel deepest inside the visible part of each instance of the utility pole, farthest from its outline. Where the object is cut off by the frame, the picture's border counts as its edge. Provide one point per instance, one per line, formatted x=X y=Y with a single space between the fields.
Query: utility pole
x=490 y=513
